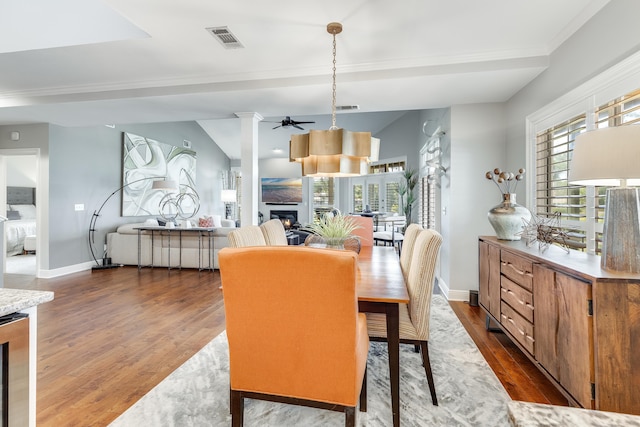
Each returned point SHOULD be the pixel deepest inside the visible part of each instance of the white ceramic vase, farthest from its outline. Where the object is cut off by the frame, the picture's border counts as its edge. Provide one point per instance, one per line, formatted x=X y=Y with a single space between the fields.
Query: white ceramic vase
x=508 y=218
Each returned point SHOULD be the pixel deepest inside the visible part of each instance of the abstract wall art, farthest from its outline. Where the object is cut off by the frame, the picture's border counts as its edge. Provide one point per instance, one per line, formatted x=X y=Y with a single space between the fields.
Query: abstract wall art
x=145 y=160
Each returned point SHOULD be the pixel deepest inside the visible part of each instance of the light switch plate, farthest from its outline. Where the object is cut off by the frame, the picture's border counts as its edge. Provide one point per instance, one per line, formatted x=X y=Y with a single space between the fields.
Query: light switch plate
x=79 y=207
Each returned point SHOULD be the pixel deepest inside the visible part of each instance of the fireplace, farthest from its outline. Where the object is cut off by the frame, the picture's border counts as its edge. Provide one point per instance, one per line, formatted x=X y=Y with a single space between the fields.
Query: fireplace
x=288 y=218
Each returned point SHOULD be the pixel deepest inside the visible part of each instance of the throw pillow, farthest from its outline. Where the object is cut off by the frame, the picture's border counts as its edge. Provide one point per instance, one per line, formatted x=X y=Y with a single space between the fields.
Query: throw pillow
x=205 y=222
x=11 y=215
x=217 y=220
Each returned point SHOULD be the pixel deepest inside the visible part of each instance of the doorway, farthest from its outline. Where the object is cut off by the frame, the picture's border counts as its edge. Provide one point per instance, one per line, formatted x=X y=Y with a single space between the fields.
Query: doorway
x=19 y=172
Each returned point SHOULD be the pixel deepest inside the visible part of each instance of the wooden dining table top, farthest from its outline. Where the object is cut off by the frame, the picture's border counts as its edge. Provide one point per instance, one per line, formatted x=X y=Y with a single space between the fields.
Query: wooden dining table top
x=379 y=277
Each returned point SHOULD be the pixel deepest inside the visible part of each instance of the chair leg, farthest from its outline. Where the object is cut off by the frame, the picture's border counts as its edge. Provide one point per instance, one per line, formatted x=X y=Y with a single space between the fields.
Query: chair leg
x=427 y=367
x=363 y=393
x=237 y=409
x=350 y=416
x=416 y=348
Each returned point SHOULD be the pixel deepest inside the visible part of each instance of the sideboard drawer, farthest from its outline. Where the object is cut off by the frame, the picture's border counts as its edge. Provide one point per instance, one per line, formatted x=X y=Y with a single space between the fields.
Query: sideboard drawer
x=518 y=326
x=518 y=269
x=517 y=297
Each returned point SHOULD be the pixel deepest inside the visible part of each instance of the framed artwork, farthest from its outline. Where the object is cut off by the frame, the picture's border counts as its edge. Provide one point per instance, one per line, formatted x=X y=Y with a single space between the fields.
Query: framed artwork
x=145 y=160
x=281 y=191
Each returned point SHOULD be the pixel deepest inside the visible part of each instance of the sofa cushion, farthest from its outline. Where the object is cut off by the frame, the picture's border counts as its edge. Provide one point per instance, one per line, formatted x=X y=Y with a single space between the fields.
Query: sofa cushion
x=130 y=228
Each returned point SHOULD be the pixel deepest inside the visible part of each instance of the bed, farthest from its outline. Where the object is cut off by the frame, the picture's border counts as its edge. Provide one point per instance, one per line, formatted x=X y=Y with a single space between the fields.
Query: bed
x=21 y=215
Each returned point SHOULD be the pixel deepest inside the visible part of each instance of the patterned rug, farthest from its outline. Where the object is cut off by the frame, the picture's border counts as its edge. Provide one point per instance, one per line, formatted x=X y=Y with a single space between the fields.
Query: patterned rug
x=469 y=394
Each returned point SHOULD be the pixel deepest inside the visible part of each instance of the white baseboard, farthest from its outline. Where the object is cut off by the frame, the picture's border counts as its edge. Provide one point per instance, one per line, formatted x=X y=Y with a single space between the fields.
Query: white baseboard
x=452 y=295
x=458 y=295
x=69 y=269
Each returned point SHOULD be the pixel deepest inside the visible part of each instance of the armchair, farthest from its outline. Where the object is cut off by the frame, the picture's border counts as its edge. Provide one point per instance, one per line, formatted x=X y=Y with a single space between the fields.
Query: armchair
x=297 y=340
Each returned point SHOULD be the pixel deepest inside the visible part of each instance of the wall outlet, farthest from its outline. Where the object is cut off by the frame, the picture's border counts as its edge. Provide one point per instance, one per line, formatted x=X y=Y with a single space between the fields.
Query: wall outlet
x=79 y=206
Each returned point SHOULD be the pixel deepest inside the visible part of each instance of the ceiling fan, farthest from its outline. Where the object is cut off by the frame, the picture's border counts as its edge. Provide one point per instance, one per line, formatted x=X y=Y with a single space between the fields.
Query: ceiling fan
x=286 y=122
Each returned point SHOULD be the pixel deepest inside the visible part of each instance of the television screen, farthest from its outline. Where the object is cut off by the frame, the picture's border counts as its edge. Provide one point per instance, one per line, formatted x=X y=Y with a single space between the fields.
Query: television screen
x=281 y=190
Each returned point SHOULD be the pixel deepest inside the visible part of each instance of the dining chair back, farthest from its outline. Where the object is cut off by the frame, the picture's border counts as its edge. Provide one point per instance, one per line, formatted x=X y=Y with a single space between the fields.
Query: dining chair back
x=249 y=235
x=365 y=229
x=296 y=339
x=414 y=317
x=421 y=279
x=274 y=233
x=410 y=235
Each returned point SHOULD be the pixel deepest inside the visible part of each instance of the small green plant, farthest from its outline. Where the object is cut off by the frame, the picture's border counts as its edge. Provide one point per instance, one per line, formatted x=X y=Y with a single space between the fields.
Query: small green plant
x=333 y=227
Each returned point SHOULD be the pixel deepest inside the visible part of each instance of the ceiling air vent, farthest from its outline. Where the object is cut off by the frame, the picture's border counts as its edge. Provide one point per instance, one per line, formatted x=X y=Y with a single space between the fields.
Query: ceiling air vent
x=347 y=107
x=225 y=37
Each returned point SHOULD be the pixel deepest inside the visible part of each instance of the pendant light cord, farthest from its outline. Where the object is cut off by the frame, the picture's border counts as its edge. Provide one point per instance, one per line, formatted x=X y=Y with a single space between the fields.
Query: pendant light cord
x=334 y=28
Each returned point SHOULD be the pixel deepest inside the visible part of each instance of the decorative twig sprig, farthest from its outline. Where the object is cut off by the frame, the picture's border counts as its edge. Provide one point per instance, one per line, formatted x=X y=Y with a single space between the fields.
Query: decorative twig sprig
x=507 y=182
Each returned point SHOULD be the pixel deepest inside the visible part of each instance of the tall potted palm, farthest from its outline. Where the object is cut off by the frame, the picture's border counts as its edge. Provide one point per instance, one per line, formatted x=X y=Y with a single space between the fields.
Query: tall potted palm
x=405 y=191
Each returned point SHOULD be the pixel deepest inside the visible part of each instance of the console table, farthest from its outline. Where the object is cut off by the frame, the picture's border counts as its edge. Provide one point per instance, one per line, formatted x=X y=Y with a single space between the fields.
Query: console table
x=579 y=324
x=201 y=232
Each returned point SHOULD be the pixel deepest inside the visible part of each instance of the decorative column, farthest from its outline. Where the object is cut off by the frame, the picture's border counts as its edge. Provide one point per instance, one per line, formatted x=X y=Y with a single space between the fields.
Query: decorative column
x=249 y=166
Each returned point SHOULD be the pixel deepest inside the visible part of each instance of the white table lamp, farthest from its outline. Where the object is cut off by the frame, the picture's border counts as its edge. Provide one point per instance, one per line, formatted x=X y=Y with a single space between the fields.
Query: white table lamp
x=228 y=197
x=611 y=157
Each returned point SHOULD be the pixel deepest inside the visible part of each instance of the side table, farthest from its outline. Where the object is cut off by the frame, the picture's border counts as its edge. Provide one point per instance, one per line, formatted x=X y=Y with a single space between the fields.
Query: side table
x=293 y=239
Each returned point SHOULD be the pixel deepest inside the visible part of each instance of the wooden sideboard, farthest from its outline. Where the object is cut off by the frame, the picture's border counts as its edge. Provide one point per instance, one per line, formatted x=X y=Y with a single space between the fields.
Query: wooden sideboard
x=578 y=323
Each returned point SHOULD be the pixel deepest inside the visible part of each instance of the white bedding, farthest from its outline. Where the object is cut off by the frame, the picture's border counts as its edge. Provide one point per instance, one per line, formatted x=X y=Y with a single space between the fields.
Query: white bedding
x=15 y=231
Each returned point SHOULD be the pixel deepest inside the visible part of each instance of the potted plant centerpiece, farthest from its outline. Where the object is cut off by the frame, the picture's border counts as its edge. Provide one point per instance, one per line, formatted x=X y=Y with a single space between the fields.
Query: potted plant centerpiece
x=333 y=229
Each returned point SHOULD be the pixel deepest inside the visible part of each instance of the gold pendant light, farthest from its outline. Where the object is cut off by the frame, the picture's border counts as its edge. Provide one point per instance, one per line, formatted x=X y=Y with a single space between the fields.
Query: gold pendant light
x=334 y=152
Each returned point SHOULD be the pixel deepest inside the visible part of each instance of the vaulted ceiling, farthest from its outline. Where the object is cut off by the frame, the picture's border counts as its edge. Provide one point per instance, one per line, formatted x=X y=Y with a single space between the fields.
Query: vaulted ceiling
x=92 y=62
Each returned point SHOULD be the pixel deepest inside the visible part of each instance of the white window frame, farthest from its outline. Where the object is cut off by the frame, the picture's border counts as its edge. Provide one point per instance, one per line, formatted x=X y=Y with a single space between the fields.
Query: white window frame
x=613 y=83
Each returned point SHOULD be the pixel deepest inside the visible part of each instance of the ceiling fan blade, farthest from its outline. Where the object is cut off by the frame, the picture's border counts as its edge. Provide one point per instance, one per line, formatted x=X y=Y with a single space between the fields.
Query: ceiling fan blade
x=299 y=123
x=298 y=127
x=277 y=126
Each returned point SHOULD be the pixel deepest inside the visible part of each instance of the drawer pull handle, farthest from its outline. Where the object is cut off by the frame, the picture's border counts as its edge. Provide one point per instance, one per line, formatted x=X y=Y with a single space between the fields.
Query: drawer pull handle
x=520 y=331
x=517 y=270
x=521 y=302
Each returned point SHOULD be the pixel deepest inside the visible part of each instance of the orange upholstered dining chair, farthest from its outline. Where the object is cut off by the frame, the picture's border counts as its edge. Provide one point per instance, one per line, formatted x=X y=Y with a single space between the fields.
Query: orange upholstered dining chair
x=295 y=339
x=414 y=317
x=364 y=230
x=249 y=235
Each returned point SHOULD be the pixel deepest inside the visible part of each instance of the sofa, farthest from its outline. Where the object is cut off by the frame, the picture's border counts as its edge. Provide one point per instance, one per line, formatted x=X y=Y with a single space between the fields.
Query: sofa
x=122 y=246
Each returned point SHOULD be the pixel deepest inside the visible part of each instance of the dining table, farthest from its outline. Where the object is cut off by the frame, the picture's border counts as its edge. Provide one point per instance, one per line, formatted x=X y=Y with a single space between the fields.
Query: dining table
x=381 y=287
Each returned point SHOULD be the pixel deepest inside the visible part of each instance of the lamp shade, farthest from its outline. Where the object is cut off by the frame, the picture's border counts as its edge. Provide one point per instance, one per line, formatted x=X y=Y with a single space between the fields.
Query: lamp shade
x=611 y=157
x=228 y=196
x=165 y=184
x=334 y=152
x=606 y=156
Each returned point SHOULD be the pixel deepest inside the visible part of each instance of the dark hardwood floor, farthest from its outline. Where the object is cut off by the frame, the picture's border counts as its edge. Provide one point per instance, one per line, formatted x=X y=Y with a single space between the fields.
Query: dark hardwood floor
x=110 y=336
x=522 y=380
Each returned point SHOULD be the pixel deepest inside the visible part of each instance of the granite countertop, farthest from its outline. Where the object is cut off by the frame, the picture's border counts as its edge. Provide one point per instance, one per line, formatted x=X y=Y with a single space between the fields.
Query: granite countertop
x=524 y=414
x=12 y=300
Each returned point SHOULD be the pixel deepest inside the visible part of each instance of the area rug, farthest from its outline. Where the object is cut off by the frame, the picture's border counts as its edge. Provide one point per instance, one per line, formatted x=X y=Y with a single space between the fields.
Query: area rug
x=469 y=394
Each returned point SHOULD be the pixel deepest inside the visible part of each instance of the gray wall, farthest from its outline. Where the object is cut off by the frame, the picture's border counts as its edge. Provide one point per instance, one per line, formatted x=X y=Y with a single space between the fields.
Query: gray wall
x=86 y=167
x=21 y=171
x=610 y=36
x=402 y=138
